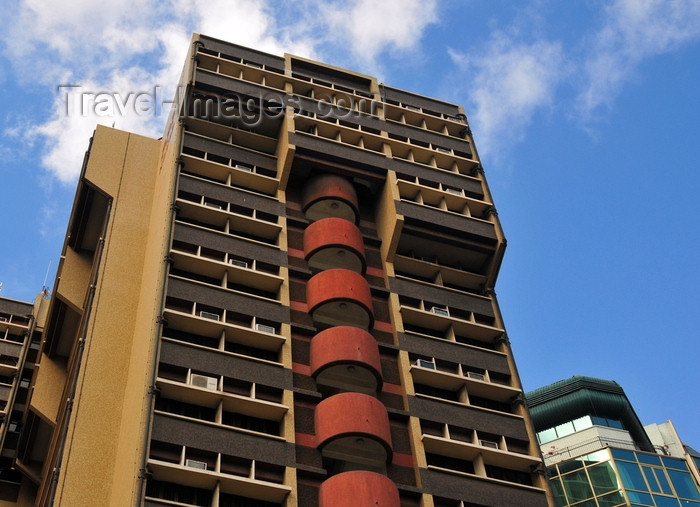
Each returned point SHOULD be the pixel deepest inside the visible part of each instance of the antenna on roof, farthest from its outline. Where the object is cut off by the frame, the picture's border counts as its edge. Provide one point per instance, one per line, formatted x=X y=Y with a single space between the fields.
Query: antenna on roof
x=45 y=290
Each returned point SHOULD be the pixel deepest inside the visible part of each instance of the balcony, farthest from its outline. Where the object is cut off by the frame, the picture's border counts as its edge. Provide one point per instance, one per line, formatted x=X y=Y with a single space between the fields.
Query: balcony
x=429 y=271
x=240 y=70
x=238 y=148
x=358 y=488
x=12 y=325
x=228 y=172
x=198 y=453
x=354 y=427
x=215 y=245
x=9 y=357
x=424 y=215
x=334 y=243
x=491 y=491
x=243 y=485
x=470 y=327
x=476 y=384
x=444 y=248
x=213 y=398
x=470 y=450
x=405 y=120
x=230 y=269
x=217 y=323
x=219 y=216
x=443 y=196
x=429 y=155
x=329 y=195
x=339 y=297
x=346 y=358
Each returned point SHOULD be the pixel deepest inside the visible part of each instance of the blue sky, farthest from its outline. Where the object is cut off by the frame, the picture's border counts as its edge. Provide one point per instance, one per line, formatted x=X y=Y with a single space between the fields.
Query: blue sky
x=585 y=115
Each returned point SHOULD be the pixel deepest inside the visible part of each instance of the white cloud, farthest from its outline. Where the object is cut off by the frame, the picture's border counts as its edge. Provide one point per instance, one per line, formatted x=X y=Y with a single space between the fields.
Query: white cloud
x=130 y=46
x=370 y=27
x=127 y=101
x=509 y=82
x=125 y=47
x=633 y=31
x=122 y=47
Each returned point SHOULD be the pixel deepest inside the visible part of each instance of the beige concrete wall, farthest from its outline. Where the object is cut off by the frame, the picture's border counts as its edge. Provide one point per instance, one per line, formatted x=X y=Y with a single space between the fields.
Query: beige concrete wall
x=132 y=431
x=112 y=383
x=50 y=380
x=74 y=278
x=389 y=223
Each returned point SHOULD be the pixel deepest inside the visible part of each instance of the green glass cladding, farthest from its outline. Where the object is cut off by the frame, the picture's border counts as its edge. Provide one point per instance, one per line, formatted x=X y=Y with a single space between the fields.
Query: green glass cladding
x=616 y=477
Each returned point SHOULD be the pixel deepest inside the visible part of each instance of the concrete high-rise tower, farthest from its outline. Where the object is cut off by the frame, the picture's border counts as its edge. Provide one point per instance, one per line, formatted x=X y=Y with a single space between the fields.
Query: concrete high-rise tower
x=287 y=300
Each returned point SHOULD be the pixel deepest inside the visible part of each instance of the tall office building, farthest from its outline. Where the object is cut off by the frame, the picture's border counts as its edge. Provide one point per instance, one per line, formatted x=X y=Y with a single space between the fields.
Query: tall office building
x=287 y=300
x=598 y=454
x=20 y=335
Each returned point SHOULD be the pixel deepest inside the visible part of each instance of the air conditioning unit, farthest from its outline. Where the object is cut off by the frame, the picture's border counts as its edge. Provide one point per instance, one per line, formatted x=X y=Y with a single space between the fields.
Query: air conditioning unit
x=425 y=364
x=204 y=382
x=195 y=464
x=209 y=315
x=3 y=319
x=442 y=150
x=265 y=328
x=236 y=262
x=475 y=375
x=439 y=310
x=488 y=443
x=243 y=167
x=213 y=205
x=455 y=191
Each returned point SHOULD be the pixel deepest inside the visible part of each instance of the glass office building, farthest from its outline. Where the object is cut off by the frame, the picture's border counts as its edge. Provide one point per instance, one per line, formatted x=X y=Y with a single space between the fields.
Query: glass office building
x=610 y=477
x=598 y=454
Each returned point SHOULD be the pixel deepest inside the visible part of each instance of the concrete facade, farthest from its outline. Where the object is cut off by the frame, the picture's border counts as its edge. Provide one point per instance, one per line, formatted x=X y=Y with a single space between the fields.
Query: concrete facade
x=188 y=356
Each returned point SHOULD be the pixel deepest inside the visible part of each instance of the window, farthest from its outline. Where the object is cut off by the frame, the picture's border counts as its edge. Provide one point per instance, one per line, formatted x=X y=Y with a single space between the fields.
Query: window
x=684 y=485
x=576 y=486
x=603 y=478
x=631 y=476
x=425 y=364
x=565 y=429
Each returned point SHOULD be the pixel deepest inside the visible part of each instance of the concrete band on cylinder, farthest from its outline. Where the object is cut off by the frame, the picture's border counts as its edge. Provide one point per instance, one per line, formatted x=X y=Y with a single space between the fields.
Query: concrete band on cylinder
x=339 y=285
x=333 y=240
x=339 y=193
x=358 y=489
x=345 y=345
x=352 y=414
